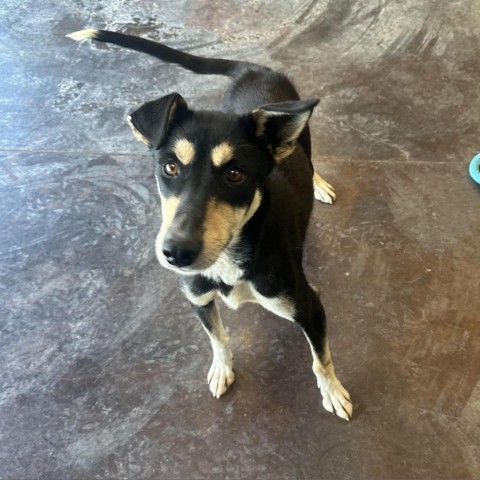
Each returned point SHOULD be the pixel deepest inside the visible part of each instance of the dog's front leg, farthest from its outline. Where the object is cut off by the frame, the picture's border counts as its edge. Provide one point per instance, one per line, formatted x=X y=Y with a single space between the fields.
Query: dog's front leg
x=221 y=375
x=312 y=319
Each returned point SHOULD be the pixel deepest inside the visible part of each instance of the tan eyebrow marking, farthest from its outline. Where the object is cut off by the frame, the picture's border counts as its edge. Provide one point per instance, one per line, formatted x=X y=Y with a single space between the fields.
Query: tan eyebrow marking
x=184 y=150
x=221 y=154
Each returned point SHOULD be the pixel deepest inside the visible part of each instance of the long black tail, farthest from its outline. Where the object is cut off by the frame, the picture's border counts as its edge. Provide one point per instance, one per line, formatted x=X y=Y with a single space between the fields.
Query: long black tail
x=213 y=66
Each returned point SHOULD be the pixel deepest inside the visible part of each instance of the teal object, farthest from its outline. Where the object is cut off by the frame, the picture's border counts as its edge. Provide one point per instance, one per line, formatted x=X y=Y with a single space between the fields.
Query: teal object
x=474 y=168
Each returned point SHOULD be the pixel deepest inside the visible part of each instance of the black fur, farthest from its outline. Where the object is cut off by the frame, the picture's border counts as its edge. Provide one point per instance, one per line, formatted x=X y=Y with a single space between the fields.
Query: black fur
x=263 y=117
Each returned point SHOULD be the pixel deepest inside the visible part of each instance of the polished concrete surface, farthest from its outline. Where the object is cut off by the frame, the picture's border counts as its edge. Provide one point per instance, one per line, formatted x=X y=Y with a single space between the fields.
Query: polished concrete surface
x=103 y=365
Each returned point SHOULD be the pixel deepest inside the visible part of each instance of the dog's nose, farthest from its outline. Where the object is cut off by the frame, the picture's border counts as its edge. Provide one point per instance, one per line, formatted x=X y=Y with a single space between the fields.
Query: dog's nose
x=181 y=252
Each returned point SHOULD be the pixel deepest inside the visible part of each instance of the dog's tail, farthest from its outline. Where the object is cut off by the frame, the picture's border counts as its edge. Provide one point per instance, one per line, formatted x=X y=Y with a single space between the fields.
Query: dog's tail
x=213 y=66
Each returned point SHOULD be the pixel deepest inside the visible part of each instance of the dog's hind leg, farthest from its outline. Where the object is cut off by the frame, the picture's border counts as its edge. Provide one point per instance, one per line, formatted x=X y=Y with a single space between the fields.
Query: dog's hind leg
x=221 y=375
x=323 y=191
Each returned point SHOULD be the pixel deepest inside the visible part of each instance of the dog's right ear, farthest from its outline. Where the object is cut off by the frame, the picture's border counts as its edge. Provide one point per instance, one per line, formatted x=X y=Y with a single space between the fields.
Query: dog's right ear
x=280 y=125
x=150 y=123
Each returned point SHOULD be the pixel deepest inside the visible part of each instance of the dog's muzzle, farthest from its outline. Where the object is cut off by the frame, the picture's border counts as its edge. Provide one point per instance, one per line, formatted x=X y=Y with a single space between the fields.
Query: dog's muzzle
x=181 y=251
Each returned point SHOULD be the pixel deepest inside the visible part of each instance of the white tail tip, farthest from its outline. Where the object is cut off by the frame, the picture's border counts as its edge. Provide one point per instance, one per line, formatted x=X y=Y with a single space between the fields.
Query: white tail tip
x=83 y=35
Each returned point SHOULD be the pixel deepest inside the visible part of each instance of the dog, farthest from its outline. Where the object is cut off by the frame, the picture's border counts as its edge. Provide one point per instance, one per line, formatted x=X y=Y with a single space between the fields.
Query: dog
x=236 y=189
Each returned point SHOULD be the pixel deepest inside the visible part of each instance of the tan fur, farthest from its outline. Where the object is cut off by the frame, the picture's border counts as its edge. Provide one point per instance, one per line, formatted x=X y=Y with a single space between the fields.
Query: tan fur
x=222 y=154
x=261 y=117
x=257 y=199
x=169 y=209
x=280 y=153
x=137 y=134
x=223 y=223
x=290 y=135
x=83 y=35
x=184 y=150
x=323 y=190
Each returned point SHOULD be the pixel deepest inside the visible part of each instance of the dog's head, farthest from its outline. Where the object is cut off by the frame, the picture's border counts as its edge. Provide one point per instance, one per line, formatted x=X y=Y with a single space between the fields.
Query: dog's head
x=210 y=169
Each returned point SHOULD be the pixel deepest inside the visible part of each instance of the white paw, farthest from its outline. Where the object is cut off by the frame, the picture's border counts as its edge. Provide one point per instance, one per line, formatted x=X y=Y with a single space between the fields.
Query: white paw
x=322 y=190
x=220 y=377
x=335 y=398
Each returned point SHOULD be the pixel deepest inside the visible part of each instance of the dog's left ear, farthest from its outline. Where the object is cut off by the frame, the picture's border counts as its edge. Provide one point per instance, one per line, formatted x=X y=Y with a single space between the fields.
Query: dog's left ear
x=150 y=123
x=280 y=125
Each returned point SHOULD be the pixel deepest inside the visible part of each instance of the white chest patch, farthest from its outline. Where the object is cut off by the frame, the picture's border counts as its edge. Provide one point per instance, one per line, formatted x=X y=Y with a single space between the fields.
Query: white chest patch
x=243 y=292
x=224 y=270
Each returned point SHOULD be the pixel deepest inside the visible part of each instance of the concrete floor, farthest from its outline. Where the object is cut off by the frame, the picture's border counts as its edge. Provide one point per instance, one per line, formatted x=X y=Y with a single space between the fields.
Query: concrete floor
x=103 y=364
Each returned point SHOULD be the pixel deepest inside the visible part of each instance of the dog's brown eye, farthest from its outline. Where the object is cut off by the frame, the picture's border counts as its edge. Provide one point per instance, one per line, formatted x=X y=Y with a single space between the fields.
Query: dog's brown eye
x=170 y=169
x=235 y=176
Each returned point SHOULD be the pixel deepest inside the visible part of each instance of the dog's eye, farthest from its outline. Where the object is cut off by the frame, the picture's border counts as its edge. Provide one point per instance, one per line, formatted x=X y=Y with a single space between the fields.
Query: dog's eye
x=234 y=175
x=171 y=169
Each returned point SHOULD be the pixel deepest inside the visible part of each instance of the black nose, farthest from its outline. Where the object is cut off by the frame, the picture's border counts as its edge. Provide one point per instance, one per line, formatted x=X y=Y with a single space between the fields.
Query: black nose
x=181 y=252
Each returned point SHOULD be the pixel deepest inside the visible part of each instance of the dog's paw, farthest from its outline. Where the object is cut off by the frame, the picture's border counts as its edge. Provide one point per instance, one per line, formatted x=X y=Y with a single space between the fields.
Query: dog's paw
x=335 y=398
x=322 y=190
x=220 y=377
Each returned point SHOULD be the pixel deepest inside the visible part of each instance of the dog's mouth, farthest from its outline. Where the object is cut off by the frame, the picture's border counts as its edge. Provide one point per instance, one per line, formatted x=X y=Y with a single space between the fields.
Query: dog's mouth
x=185 y=270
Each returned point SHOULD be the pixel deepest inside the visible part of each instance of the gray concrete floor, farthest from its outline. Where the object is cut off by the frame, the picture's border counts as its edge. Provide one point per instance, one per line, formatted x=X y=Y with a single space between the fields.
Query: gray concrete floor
x=103 y=365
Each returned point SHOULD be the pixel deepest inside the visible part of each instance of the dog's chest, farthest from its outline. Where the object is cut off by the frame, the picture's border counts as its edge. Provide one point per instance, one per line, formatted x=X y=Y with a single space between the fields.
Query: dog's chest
x=244 y=291
x=240 y=293
x=225 y=270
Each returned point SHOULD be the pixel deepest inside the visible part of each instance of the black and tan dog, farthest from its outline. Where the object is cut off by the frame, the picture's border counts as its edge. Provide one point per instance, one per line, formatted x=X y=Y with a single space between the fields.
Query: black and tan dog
x=236 y=193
